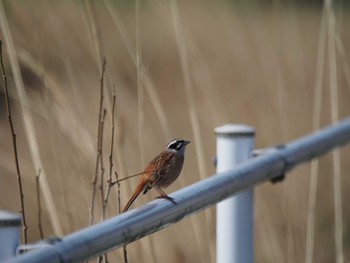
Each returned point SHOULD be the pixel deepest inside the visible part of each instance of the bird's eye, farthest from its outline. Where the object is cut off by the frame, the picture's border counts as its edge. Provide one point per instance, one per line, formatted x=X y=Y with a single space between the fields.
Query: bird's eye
x=179 y=145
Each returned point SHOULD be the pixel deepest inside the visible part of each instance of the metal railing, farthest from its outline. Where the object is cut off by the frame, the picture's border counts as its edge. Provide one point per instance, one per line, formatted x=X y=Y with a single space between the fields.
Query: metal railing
x=137 y=223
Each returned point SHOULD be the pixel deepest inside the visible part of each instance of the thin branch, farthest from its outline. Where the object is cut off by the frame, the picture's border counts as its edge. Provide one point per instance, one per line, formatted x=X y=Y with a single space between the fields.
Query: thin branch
x=94 y=180
x=19 y=178
x=118 y=191
x=38 y=198
x=125 y=254
x=109 y=181
x=110 y=157
x=99 y=159
x=102 y=168
x=116 y=173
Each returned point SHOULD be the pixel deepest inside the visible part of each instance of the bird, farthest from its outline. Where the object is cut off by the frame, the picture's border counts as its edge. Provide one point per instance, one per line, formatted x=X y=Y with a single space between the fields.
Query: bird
x=162 y=171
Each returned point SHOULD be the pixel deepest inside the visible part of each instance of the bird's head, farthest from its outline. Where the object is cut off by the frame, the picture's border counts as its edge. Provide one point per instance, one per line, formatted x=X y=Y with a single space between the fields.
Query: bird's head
x=177 y=145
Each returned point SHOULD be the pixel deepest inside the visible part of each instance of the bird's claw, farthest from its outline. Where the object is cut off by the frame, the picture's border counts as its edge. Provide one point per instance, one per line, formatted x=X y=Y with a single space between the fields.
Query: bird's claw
x=167 y=198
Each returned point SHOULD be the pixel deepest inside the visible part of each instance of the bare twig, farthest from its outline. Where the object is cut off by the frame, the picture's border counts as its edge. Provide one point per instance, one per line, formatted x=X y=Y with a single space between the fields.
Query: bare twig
x=99 y=159
x=19 y=178
x=102 y=168
x=118 y=191
x=125 y=254
x=110 y=157
x=109 y=181
x=100 y=115
x=37 y=178
x=119 y=210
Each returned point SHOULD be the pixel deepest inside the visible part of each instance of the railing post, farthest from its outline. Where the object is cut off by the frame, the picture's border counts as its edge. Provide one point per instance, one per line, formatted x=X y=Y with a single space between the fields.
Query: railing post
x=10 y=226
x=234 y=216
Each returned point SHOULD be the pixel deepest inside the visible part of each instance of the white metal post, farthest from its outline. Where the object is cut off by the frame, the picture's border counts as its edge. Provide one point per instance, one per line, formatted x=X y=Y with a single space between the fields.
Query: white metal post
x=10 y=226
x=234 y=216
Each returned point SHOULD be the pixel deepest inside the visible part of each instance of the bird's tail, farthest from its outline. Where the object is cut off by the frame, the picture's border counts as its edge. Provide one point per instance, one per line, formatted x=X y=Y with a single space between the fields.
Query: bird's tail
x=140 y=187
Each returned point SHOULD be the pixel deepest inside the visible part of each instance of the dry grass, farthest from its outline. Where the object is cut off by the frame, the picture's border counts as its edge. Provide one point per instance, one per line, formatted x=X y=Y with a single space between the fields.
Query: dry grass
x=198 y=66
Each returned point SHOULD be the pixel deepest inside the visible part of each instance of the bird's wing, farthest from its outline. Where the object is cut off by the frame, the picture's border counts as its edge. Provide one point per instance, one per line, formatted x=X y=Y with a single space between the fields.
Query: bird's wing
x=157 y=168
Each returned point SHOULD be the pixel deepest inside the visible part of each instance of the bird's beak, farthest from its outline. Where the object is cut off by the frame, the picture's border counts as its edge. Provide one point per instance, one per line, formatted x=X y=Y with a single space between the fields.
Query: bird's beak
x=187 y=142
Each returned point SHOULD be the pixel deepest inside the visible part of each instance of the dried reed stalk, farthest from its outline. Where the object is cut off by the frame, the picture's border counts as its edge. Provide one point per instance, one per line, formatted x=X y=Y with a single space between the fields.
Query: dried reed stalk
x=310 y=231
x=29 y=124
x=193 y=116
x=38 y=199
x=333 y=83
x=146 y=78
x=14 y=143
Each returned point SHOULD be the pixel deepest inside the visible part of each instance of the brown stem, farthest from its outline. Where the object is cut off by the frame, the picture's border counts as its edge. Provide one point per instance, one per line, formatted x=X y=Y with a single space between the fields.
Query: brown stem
x=102 y=168
x=38 y=198
x=19 y=178
x=98 y=156
x=110 y=157
x=109 y=181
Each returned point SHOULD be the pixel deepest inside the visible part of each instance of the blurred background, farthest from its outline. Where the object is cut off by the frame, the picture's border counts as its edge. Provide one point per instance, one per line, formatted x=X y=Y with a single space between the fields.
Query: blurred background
x=178 y=69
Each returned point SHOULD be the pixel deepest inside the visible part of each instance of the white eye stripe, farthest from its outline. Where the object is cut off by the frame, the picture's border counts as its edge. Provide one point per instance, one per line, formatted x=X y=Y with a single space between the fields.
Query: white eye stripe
x=176 y=144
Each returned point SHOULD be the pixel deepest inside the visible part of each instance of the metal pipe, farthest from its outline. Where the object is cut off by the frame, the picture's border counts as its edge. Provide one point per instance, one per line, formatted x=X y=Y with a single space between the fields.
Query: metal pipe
x=234 y=216
x=156 y=215
x=10 y=227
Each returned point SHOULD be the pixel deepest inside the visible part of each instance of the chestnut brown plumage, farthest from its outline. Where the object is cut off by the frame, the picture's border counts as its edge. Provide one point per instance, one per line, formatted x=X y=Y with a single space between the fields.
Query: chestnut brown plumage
x=162 y=171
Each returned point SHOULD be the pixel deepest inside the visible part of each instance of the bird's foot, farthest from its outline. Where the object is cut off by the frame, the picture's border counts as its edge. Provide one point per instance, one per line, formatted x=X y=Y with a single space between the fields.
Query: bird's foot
x=167 y=198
